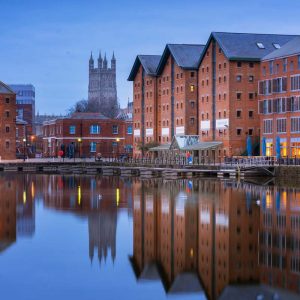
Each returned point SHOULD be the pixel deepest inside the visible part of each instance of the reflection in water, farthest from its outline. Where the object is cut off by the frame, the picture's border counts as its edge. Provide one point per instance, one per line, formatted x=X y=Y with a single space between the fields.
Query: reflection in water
x=95 y=198
x=217 y=238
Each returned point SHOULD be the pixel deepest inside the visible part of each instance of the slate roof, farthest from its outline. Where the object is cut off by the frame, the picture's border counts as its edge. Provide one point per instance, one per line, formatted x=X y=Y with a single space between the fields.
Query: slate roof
x=87 y=116
x=186 y=56
x=5 y=89
x=243 y=46
x=149 y=63
x=290 y=48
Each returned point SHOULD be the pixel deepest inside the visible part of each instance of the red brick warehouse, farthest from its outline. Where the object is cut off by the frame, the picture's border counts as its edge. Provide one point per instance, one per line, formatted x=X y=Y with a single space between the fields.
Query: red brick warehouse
x=85 y=135
x=279 y=101
x=7 y=122
x=228 y=81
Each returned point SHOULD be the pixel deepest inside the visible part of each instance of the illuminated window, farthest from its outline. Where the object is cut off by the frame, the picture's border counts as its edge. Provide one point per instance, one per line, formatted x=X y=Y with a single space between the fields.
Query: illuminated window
x=93 y=146
x=192 y=88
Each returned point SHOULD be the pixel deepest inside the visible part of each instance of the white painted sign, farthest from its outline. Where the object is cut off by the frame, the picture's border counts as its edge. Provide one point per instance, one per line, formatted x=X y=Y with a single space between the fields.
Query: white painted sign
x=165 y=205
x=205 y=125
x=137 y=132
x=204 y=217
x=165 y=131
x=149 y=132
x=137 y=203
x=180 y=130
x=149 y=203
x=222 y=123
x=222 y=219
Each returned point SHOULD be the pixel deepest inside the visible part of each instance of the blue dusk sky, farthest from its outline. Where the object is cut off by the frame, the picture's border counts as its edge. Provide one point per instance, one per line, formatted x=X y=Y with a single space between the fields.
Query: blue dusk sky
x=48 y=43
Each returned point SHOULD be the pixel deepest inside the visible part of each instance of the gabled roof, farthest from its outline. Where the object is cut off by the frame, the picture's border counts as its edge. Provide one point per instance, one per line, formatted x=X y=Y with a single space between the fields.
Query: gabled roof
x=290 y=48
x=5 y=89
x=186 y=56
x=149 y=63
x=243 y=46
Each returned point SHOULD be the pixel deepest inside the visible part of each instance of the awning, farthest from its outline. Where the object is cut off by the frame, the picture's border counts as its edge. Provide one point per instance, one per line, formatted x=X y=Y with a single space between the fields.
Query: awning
x=202 y=146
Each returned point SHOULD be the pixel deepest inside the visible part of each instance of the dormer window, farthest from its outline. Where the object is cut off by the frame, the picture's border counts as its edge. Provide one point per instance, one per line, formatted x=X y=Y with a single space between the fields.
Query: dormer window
x=260 y=45
x=276 y=46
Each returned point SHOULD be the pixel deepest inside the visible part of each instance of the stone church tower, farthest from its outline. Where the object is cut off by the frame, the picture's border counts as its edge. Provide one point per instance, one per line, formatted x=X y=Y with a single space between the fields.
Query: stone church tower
x=103 y=87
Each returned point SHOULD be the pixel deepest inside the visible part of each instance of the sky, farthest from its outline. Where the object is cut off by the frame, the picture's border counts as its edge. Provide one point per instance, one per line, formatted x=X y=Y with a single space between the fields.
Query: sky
x=48 y=43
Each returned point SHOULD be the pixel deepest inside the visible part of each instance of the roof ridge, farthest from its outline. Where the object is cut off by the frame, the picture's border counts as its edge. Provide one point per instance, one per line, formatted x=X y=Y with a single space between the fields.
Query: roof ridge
x=255 y=33
x=183 y=44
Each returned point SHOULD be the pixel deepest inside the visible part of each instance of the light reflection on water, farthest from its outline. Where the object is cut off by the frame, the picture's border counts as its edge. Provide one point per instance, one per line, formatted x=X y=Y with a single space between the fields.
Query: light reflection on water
x=85 y=237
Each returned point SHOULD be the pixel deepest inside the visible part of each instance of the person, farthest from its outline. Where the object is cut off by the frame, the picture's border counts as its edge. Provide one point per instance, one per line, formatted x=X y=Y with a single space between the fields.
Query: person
x=98 y=157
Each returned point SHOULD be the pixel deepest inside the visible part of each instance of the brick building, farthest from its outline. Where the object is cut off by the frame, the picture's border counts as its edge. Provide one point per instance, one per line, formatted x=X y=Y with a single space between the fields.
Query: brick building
x=279 y=101
x=228 y=81
x=177 y=94
x=7 y=122
x=204 y=94
x=165 y=94
x=143 y=75
x=85 y=134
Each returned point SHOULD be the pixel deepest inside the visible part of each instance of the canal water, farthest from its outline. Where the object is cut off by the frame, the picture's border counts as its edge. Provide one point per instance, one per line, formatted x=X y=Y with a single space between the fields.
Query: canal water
x=92 y=237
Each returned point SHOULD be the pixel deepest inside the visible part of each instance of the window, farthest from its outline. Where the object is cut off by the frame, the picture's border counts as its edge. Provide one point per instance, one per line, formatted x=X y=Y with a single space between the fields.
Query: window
x=7 y=100
x=295 y=124
x=271 y=66
x=115 y=129
x=251 y=65
x=192 y=88
x=72 y=129
x=250 y=131
x=268 y=126
x=276 y=46
x=239 y=64
x=279 y=85
x=192 y=104
x=279 y=105
x=264 y=71
x=260 y=45
x=7 y=144
x=238 y=96
x=285 y=64
x=7 y=129
x=281 y=125
x=295 y=83
x=192 y=121
x=251 y=78
x=192 y=74
x=129 y=129
x=251 y=96
x=93 y=146
x=238 y=131
x=239 y=78
x=7 y=114
x=94 y=129
x=238 y=113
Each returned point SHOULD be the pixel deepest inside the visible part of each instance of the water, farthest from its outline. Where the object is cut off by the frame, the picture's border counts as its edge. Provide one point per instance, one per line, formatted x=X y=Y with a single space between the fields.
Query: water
x=86 y=237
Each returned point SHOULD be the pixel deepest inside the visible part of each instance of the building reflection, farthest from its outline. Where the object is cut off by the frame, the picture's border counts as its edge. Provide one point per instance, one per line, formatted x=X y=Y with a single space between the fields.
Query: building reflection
x=214 y=237
x=96 y=198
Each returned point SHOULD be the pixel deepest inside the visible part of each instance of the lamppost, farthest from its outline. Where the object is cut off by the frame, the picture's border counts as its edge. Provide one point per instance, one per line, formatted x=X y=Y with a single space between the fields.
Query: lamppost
x=79 y=143
x=24 y=149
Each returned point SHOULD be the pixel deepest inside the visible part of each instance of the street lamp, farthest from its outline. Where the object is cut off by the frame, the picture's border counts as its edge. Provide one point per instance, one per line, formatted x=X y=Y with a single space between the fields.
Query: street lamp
x=118 y=140
x=24 y=149
x=79 y=142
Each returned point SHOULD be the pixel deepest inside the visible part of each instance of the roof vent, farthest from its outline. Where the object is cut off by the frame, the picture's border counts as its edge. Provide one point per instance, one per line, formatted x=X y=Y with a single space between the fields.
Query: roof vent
x=260 y=45
x=276 y=46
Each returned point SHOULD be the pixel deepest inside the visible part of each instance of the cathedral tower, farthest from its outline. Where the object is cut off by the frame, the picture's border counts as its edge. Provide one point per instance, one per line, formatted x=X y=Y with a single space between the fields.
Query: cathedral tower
x=102 y=90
